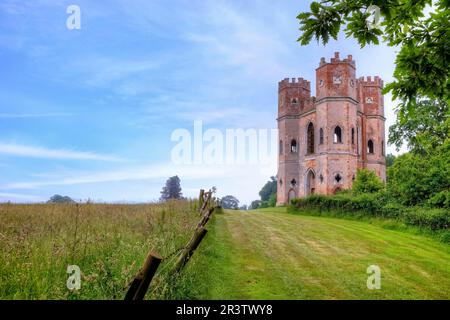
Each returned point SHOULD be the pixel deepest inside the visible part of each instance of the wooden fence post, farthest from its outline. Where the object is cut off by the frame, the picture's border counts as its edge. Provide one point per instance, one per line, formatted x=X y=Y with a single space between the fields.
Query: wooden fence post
x=186 y=254
x=200 y=198
x=142 y=281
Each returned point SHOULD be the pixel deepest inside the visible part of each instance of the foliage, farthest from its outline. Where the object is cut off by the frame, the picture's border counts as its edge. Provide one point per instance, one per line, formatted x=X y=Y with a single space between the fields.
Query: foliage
x=172 y=189
x=422 y=68
x=424 y=128
x=255 y=204
x=390 y=158
x=60 y=199
x=229 y=202
x=375 y=205
x=417 y=180
x=273 y=200
x=366 y=181
x=268 y=189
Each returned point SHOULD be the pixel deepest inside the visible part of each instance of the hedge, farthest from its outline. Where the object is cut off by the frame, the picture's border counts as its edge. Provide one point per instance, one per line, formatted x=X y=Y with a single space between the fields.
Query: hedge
x=376 y=205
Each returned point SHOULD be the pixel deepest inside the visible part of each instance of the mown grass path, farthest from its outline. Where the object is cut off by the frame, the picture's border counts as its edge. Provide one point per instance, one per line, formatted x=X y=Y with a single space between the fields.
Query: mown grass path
x=275 y=255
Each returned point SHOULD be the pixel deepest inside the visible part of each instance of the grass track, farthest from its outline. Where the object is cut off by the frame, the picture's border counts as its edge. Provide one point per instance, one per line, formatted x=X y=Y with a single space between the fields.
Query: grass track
x=274 y=255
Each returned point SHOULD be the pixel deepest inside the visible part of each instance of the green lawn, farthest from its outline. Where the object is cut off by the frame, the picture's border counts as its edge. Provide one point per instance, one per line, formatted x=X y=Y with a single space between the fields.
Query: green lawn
x=269 y=254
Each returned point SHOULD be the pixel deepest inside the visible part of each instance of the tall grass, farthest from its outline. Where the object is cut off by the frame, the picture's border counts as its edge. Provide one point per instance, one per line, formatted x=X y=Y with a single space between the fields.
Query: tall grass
x=108 y=242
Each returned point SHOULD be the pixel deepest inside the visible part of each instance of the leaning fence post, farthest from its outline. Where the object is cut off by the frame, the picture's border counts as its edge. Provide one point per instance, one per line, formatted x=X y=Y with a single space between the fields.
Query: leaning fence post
x=142 y=281
x=199 y=234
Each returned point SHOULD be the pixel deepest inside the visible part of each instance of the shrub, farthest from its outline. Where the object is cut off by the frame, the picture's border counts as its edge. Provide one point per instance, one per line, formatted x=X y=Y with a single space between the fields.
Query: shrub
x=367 y=181
x=375 y=204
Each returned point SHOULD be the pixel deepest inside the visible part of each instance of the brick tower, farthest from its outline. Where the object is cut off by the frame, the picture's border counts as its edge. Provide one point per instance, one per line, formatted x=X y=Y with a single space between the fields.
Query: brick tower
x=325 y=139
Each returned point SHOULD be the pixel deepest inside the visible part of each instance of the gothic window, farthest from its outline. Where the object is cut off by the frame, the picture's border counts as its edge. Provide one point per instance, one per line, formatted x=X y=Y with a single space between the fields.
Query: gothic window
x=294 y=100
x=338 y=178
x=293 y=182
x=370 y=147
x=337 y=135
x=321 y=136
x=294 y=146
x=310 y=139
x=353 y=136
x=357 y=139
x=281 y=182
x=281 y=147
x=382 y=148
x=321 y=178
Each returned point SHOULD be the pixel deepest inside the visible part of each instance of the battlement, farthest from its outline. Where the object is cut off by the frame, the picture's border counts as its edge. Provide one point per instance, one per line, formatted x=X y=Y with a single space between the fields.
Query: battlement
x=337 y=59
x=294 y=83
x=369 y=82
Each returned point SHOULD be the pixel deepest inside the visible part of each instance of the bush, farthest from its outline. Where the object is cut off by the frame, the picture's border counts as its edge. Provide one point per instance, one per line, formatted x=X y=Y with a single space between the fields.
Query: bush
x=375 y=205
x=367 y=181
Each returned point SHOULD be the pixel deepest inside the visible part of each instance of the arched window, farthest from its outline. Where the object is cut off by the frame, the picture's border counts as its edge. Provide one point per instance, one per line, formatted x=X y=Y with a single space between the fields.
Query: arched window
x=310 y=139
x=294 y=146
x=382 y=148
x=337 y=135
x=294 y=100
x=321 y=136
x=281 y=147
x=370 y=147
x=338 y=178
x=353 y=136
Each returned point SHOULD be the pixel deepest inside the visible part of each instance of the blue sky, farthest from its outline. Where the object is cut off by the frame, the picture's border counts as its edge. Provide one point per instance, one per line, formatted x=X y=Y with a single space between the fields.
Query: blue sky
x=89 y=113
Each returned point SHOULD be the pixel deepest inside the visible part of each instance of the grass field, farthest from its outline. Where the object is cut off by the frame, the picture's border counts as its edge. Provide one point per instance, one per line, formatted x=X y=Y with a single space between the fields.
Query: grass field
x=264 y=254
x=108 y=242
x=270 y=254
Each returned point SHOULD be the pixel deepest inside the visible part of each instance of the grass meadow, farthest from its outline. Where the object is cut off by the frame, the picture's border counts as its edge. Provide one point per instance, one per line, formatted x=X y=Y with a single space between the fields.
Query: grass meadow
x=108 y=242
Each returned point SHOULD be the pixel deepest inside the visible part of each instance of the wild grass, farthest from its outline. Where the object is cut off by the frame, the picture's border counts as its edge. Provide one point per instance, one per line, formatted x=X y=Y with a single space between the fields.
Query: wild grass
x=108 y=242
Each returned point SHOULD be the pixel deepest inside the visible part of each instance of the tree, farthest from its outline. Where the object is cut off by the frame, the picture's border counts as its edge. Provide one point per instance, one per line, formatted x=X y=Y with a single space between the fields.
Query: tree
x=255 y=204
x=414 y=179
x=366 y=181
x=268 y=189
x=422 y=68
x=172 y=189
x=424 y=129
x=390 y=158
x=244 y=207
x=230 y=202
x=60 y=199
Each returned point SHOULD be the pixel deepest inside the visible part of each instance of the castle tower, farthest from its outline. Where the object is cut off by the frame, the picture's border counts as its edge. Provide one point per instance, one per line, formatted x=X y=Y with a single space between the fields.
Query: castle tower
x=324 y=140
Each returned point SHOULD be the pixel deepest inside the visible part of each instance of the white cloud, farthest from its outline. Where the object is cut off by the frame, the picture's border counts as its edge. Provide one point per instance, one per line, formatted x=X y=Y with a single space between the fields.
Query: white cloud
x=61 y=154
x=15 y=197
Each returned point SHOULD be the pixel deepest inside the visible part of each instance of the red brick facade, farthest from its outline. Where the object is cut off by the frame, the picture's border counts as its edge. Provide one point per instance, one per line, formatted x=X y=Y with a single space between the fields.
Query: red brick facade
x=324 y=139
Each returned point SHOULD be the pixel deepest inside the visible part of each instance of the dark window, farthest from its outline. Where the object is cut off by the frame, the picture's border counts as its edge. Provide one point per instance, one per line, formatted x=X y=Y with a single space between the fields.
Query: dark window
x=338 y=178
x=370 y=147
x=321 y=178
x=321 y=136
x=293 y=182
x=353 y=135
x=281 y=147
x=310 y=138
x=357 y=139
x=294 y=146
x=337 y=135
x=281 y=182
x=382 y=148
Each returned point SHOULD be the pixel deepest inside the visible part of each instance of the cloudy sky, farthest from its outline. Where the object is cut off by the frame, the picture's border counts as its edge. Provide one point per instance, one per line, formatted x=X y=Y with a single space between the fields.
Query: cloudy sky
x=89 y=113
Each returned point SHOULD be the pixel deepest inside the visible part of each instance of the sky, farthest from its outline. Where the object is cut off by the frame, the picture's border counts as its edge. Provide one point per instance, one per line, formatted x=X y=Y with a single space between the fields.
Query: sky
x=90 y=112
